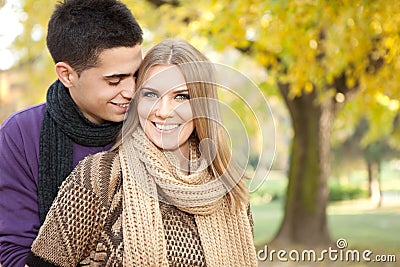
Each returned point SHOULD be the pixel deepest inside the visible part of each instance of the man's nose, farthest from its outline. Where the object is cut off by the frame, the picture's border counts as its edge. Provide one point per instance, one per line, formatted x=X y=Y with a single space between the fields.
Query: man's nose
x=129 y=88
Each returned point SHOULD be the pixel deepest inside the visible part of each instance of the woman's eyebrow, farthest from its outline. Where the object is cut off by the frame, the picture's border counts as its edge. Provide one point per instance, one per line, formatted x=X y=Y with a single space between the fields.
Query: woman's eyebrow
x=182 y=90
x=148 y=88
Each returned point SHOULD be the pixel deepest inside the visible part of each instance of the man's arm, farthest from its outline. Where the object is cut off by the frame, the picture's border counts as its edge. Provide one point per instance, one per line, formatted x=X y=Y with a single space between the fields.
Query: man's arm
x=19 y=221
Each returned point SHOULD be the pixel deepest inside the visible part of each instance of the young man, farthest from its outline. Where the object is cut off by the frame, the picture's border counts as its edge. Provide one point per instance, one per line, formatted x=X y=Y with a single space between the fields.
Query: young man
x=96 y=47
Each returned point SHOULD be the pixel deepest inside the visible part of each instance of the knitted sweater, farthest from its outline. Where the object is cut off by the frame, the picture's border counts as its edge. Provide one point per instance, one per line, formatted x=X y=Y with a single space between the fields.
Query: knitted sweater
x=85 y=222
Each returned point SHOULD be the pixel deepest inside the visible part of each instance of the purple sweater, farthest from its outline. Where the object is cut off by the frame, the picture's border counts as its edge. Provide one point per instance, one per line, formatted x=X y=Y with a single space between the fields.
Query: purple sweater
x=19 y=170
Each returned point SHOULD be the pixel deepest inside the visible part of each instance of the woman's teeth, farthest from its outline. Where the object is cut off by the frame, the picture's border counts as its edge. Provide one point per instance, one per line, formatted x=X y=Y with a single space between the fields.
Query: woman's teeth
x=166 y=127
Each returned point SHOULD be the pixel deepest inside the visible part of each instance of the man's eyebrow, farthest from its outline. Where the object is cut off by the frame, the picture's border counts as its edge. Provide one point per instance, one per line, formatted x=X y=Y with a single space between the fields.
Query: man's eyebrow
x=113 y=76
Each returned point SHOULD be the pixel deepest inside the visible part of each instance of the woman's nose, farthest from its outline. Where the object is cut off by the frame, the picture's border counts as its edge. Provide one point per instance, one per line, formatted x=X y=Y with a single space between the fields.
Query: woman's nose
x=163 y=108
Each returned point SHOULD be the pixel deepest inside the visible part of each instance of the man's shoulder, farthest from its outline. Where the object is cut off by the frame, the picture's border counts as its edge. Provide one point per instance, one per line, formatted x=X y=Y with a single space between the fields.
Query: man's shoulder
x=27 y=116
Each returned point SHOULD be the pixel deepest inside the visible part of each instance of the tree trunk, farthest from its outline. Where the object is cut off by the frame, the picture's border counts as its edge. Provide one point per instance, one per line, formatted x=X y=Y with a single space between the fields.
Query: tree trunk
x=305 y=220
x=374 y=188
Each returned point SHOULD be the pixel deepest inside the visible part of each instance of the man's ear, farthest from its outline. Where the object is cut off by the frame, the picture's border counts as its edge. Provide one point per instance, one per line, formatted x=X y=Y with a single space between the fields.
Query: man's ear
x=66 y=74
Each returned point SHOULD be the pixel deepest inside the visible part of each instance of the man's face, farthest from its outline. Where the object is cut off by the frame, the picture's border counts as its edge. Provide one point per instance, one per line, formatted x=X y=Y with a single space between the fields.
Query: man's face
x=103 y=93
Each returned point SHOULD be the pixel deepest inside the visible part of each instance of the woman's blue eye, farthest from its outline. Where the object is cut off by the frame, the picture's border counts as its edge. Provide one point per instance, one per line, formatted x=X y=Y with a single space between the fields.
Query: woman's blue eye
x=149 y=94
x=182 y=96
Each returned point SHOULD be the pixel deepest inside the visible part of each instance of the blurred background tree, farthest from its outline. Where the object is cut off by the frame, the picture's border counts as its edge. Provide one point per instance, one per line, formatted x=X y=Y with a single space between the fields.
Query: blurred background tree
x=372 y=155
x=330 y=62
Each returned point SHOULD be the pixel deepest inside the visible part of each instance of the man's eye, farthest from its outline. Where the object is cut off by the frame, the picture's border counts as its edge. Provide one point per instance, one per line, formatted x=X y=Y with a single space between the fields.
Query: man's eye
x=182 y=96
x=114 y=82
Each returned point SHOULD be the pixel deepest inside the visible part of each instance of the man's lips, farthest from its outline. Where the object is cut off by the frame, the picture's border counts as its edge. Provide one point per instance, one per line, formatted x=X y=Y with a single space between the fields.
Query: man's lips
x=122 y=105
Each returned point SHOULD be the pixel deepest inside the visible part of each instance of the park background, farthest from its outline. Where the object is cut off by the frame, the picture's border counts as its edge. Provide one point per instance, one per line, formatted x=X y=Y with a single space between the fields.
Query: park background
x=330 y=73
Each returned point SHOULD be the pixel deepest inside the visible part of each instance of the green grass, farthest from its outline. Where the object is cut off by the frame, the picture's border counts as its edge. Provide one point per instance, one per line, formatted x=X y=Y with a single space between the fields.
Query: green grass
x=358 y=221
x=364 y=227
x=266 y=219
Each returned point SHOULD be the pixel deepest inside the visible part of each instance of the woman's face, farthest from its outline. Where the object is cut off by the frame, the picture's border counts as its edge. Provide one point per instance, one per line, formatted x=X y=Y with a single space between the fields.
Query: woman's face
x=164 y=109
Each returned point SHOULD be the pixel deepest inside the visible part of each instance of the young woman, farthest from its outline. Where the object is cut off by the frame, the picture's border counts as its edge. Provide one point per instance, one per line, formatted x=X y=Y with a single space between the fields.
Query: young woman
x=168 y=194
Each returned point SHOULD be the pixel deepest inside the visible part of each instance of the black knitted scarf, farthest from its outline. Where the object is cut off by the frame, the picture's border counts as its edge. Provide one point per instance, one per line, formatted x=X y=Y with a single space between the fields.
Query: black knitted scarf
x=63 y=125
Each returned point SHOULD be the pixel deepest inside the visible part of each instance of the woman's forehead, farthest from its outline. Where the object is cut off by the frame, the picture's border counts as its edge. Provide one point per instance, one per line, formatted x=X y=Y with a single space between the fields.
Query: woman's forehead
x=164 y=77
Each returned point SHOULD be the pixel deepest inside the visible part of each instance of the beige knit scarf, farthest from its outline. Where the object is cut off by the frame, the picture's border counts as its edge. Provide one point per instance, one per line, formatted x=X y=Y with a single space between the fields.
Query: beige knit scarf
x=149 y=176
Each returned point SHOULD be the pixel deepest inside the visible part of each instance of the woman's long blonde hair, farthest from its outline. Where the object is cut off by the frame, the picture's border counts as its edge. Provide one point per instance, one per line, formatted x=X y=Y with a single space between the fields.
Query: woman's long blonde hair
x=199 y=77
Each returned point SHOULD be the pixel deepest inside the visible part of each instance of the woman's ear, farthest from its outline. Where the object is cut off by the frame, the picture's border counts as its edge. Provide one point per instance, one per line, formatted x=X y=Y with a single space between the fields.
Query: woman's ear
x=65 y=73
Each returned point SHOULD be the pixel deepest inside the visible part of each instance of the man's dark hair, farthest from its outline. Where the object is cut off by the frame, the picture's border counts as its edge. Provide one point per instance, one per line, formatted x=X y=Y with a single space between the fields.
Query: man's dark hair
x=79 y=30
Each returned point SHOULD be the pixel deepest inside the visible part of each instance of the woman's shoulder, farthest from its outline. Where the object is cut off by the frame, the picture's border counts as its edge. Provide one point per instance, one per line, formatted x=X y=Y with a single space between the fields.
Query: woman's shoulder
x=100 y=161
x=100 y=173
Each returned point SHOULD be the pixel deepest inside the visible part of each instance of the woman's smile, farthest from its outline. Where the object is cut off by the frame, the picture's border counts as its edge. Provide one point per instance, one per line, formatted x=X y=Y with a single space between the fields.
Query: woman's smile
x=166 y=128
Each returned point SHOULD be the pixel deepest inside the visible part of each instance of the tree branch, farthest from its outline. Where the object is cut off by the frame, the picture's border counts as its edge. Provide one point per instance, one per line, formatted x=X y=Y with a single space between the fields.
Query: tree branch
x=158 y=3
